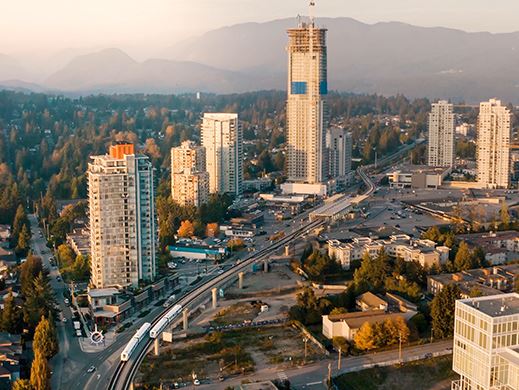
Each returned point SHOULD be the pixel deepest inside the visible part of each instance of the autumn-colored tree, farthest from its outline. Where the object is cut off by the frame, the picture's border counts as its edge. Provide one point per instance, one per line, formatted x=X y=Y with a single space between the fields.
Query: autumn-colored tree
x=11 y=319
x=212 y=229
x=40 y=372
x=364 y=338
x=186 y=229
x=46 y=338
x=235 y=244
x=338 y=310
x=403 y=329
x=23 y=245
x=505 y=215
x=22 y=384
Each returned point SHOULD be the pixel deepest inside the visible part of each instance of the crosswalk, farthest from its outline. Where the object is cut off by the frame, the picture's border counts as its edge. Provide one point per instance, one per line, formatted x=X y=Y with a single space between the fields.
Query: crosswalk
x=282 y=376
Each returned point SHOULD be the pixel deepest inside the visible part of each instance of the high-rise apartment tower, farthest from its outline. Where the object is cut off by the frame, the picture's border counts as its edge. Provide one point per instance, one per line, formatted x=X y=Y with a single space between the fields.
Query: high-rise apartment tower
x=339 y=145
x=222 y=139
x=306 y=103
x=441 y=135
x=189 y=180
x=122 y=218
x=493 y=145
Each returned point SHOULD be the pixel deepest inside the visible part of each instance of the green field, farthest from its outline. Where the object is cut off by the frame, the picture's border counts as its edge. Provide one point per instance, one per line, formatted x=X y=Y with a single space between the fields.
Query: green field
x=430 y=374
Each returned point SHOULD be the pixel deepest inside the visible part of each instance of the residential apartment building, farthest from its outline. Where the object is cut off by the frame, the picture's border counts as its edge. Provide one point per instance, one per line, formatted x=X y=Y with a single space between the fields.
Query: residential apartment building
x=222 y=139
x=493 y=145
x=486 y=343
x=122 y=218
x=426 y=252
x=441 y=152
x=306 y=104
x=189 y=180
x=339 y=146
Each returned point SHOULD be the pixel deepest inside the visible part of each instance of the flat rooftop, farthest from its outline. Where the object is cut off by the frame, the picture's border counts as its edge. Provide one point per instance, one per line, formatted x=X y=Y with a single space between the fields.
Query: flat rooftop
x=496 y=306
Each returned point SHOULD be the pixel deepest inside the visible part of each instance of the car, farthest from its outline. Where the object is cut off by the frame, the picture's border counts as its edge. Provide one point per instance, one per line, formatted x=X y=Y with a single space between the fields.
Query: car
x=91 y=369
x=196 y=382
x=58 y=278
x=64 y=320
x=220 y=271
x=66 y=301
x=428 y=355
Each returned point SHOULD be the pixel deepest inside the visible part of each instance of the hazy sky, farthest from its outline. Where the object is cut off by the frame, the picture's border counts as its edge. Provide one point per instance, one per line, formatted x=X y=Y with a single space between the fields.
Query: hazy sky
x=144 y=26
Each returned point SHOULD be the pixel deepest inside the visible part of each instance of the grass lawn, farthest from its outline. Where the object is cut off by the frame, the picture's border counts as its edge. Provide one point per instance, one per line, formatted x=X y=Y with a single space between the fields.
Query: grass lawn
x=419 y=375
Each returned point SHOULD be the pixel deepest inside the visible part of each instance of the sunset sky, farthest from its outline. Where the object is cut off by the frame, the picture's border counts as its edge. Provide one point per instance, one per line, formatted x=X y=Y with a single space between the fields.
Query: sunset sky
x=142 y=26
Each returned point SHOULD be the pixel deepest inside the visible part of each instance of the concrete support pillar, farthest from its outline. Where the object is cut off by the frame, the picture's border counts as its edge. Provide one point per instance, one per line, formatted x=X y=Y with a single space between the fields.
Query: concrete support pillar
x=265 y=266
x=185 y=318
x=214 y=291
x=240 y=280
x=287 y=250
x=156 y=346
x=131 y=386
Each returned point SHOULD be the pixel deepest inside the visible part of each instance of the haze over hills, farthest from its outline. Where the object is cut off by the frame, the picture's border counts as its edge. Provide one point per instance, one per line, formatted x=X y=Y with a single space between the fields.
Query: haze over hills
x=385 y=58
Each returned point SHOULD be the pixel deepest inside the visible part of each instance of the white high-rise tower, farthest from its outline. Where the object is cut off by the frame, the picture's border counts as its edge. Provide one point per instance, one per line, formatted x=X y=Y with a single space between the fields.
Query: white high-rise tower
x=223 y=141
x=493 y=144
x=441 y=135
x=306 y=103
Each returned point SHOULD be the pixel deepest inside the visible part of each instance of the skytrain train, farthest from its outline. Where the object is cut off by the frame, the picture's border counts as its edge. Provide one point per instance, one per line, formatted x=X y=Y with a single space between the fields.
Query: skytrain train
x=153 y=333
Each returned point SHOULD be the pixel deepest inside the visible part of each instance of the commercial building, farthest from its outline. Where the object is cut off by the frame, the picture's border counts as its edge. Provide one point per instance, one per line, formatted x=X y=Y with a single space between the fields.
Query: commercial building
x=418 y=176
x=198 y=252
x=222 y=139
x=424 y=252
x=441 y=135
x=486 y=343
x=493 y=145
x=306 y=104
x=122 y=218
x=339 y=145
x=189 y=180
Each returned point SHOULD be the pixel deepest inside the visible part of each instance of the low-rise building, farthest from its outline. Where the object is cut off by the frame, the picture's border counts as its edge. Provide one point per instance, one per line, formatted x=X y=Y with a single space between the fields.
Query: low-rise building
x=369 y=302
x=403 y=246
x=487 y=281
x=418 y=176
x=347 y=325
x=79 y=241
x=5 y=234
x=499 y=247
x=196 y=252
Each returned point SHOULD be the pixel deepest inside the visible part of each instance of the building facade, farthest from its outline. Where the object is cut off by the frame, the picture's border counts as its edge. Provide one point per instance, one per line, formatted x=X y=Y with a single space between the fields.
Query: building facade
x=486 y=343
x=493 y=145
x=306 y=104
x=222 y=139
x=441 y=152
x=122 y=218
x=189 y=180
x=339 y=145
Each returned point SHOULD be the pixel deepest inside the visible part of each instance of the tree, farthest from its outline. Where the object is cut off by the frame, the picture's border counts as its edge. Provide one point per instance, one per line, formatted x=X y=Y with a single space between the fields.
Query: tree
x=20 y=220
x=505 y=215
x=338 y=310
x=212 y=229
x=186 y=229
x=22 y=384
x=40 y=372
x=341 y=344
x=402 y=328
x=39 y=302
x=23 y=245
x=463 y=258
x=364 y=338
x=372 y=272
x=30 y=270
x=46 y=338
x=442 y=311
x=11 y=320
x=235 y=244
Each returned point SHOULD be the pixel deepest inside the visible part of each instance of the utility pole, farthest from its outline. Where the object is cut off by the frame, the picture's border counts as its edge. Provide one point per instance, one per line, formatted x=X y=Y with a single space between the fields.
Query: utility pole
x=329 y=375
x=400 y=347
x=339 y=362
x=305 y=339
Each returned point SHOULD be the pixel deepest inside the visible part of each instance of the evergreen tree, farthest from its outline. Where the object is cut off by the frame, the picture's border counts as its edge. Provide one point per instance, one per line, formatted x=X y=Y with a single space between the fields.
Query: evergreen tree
x=40 y=372
x=11 y=320
x=23 y=245
x=29 y=271
x=46 y=338
x=20 y=220
x=39 y=302
x=442 y=311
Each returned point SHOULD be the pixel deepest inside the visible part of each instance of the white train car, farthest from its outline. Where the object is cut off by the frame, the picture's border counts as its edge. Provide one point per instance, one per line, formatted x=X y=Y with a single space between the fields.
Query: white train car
x=173 y=312
x=134 y=341
x=158 y=328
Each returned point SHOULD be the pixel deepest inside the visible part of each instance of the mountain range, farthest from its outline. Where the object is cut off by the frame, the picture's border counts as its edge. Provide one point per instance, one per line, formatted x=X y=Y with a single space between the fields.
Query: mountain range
x=386 y=58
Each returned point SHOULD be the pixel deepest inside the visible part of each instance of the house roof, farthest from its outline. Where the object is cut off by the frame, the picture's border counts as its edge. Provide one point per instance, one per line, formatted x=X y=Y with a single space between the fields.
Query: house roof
x=371 y=300
x=356 y=319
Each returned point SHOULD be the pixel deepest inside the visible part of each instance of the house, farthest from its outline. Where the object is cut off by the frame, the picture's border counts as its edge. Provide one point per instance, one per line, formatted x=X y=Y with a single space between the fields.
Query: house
x=369 y=302
x=499 y=247
x=347 y=325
